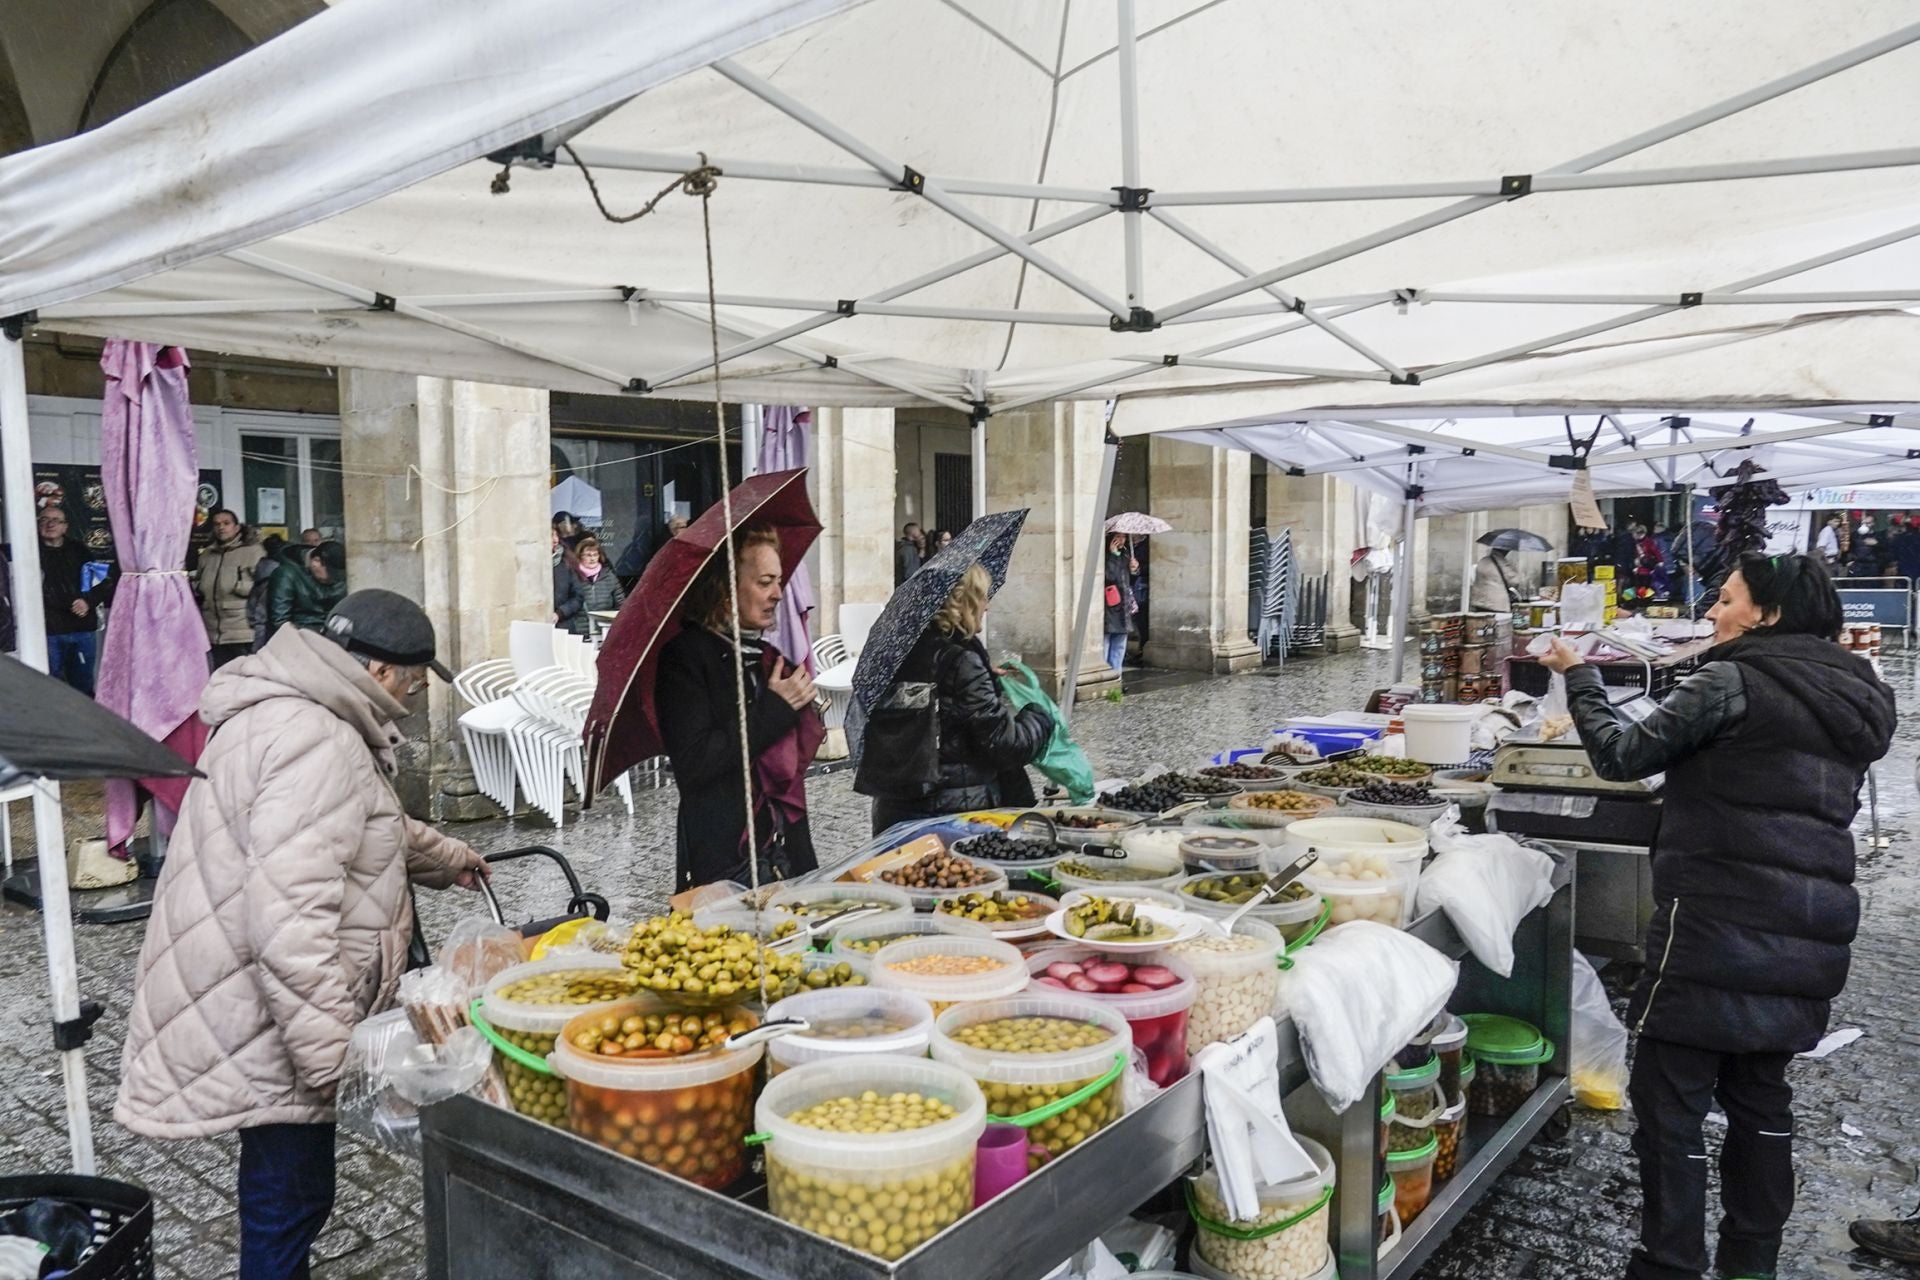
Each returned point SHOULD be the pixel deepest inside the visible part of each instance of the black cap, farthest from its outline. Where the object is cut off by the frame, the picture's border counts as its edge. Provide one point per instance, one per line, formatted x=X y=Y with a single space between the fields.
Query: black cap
x=388 y=626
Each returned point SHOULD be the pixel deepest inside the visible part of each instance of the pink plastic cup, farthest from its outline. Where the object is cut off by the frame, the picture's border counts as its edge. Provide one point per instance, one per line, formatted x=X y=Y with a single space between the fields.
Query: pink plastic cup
x=1001 y=1160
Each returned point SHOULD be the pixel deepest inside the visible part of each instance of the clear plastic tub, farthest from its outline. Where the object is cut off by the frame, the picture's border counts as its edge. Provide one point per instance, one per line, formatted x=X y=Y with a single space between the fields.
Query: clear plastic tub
x=826 y=971
x=851 y=1022
x=1217 y=849
x=1289 y=1237
x=1296 y=802
x=1269 y=829
x=924 y=899
x=1031 y=925
x=1449 y=1127
x=533 y=1025
x=1417 y=1104
x=815 y=904
x=864 y=937
x=1407 y=815
x=1450 y=1046
x=1412 y=1174
x=1368 y=840
x=912 y=965
x=1386 y=901
x=1154 y=844
x=1239 y=980
x=1386 y=1120
x=1292 y=917
x=883 y=1193
x=1062 y=1098
x=1468 y=1071
x=1508 y=1053
x=687 y=1117
x=1130 y=872
x=1158 y=1018
x=1388 y=1233
x=1126 y=893
x=1201 y=1269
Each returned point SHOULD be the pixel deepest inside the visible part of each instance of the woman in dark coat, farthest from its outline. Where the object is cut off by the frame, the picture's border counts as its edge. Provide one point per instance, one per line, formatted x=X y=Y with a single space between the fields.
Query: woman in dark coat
x=697 y=696
x=1121 y=566
x=984 y=747
x=585 y=587
x=1764 y=750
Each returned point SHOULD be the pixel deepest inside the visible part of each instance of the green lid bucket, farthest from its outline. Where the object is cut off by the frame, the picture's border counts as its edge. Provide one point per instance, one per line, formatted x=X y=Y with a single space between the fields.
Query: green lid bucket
x=1414 y=1078
x=1496 y=1038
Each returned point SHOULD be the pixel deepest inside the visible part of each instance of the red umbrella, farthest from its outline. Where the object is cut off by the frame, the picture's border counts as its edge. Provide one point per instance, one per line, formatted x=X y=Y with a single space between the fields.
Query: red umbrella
x=623 y=727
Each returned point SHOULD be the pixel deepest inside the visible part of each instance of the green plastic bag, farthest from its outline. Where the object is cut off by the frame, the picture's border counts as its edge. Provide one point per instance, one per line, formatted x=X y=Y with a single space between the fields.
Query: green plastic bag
x=1062 y=761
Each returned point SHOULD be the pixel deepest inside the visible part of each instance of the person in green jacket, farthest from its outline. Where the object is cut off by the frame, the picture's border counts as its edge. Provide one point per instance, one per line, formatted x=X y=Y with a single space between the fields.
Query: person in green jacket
x=310 y=581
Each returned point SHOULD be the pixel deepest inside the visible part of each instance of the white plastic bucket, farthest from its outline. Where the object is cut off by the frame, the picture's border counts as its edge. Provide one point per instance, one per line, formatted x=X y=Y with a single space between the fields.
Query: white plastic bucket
x=1439 y=733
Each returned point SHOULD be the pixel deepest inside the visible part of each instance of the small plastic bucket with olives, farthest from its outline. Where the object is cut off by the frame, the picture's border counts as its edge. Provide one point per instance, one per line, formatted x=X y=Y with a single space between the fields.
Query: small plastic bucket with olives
x=865 y=937
x=876 y=1153
x=946 y=970
x=851 y=1022
x=527 y=1005
x=1051 y=1064
x=1218 y=894
x=818 y=905
x=1287 y=1240
x=1132 y=871
x=686 y=1113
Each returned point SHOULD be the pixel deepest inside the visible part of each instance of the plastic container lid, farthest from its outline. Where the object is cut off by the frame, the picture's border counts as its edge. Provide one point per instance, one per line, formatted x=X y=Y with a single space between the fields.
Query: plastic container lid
x=1389 y=1106
x=1440 y=712
x=1294 y=1191
x=1369 y=835
x=1063 y=1067
x=840 y=1010
x=870 y=1157
x=1385 y=1201
x=1268 y=828
x=895 y=928
x=1126 y=893
x=1134 y=1006
x=801 y=895
x=1219 y=964
x=1449 y=1037
x=1414 y=1078
x=1468 y=1070
x=1494 y=1037
x=1202 y=1270
x=646 y=1075
x=542 y=1019
x=1222 y=850
x=1008 y=979
x=1417 y=1158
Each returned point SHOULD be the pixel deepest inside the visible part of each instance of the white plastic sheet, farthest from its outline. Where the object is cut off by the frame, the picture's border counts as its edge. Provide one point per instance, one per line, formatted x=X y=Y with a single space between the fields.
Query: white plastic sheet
x=1487 y=885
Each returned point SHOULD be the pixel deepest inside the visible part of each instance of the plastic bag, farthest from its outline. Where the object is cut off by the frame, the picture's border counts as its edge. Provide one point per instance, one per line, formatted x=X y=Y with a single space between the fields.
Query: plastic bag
x=1061 y=760
x=424 y=1074
x=435 y=1000
x=1356 y=996
x=1598 y=1051
x=1486 y=885
x=365 y=1102
x=478 y=950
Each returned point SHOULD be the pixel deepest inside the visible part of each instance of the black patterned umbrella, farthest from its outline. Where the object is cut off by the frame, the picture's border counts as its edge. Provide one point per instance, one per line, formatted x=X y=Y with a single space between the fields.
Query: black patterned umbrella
x=988 y=542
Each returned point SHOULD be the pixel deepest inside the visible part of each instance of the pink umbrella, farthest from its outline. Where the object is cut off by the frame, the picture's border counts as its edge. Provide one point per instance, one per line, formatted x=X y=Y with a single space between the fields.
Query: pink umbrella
x=153 y=666
x=786 y=441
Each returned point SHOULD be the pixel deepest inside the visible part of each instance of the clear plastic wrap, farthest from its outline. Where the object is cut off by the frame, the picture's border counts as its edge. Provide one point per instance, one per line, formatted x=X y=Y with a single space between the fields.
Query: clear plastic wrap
x=477 y=948
x=436 y=1000
x=1486 y=885
x=366 y=1103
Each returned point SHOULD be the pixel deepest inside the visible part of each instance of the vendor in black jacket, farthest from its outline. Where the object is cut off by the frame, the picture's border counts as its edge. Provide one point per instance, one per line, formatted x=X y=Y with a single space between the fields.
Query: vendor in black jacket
x=1764 y=750
x=697 y=695
x=984 y=747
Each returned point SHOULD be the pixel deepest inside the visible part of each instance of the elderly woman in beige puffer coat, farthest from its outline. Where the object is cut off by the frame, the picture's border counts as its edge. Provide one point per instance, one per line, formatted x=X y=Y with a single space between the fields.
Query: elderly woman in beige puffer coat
x=281 y=918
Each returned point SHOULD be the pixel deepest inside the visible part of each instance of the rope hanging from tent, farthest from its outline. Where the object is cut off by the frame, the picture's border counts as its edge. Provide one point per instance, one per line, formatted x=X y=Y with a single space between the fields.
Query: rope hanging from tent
x=701 y=182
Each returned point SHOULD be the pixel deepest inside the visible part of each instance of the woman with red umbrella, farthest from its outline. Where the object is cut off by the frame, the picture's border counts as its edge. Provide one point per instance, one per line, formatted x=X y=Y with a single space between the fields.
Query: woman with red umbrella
x=698 y=700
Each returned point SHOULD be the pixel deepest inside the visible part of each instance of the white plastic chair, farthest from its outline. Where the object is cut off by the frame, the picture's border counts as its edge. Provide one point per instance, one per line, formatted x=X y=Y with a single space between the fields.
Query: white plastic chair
x=22 y=792
x=856 y=621
x=486 y=686
x=829 y=651
x=530 y=647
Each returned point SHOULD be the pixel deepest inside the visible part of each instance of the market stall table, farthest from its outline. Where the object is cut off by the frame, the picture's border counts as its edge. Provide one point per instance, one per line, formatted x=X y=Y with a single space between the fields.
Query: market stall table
x=508 y=1197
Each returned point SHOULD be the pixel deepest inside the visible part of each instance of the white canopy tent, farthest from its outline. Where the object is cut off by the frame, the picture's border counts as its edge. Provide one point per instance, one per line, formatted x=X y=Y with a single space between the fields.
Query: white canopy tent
x=987 y=204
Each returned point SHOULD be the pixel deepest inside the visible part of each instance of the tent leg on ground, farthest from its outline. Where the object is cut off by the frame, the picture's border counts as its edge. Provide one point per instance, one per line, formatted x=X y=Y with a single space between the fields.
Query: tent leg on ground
x=49 y=833
x=1090 y=573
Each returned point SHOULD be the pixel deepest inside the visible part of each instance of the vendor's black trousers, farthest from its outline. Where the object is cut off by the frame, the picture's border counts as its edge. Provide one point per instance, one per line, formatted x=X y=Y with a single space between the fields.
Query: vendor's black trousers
x=1671 y=1090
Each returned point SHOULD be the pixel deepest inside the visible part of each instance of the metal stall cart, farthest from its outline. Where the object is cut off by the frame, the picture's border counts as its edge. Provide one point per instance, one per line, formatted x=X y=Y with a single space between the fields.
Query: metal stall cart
x=509 y=1198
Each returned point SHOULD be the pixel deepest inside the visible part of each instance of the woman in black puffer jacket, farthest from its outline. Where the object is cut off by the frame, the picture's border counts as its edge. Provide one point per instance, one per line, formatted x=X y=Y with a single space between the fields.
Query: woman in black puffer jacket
x=984 y=747
x=1764 y=750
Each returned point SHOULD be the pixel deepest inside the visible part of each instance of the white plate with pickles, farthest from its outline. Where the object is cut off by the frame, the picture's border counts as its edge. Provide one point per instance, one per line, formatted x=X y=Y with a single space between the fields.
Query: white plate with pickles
x=1123 y=926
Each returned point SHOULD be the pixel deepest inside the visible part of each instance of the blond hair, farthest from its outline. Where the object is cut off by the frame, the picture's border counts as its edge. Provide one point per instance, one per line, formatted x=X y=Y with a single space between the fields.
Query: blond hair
x=966 y=605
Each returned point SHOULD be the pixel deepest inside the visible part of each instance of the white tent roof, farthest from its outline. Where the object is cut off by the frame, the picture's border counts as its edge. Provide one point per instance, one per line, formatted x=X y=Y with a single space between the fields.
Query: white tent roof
x=919 y=198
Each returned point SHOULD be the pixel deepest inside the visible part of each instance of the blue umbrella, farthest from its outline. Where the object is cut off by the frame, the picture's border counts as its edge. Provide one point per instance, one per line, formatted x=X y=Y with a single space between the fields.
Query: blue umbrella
x=988 y=541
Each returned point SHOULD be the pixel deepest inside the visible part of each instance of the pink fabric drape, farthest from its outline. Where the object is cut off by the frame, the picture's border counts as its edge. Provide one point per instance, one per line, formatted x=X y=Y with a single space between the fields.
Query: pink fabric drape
x=153 y=664
x=786 y=443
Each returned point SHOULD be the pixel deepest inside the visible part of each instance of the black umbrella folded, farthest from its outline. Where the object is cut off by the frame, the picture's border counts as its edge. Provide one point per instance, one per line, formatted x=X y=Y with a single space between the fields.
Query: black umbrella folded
x=50 y=730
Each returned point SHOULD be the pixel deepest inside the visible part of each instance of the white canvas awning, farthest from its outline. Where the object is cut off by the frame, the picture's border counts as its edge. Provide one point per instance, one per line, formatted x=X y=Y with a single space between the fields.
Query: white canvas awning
x=960 y=201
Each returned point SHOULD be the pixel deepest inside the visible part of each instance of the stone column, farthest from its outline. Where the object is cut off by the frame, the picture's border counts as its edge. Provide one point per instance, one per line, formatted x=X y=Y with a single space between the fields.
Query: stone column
x=1047 y=458
x=1199 y=576
x=477 y=510
x=852 y=484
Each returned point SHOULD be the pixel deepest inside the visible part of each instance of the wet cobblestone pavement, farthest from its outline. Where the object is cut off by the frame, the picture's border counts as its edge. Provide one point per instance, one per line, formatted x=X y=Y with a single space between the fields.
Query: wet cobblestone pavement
x=1567 y=1210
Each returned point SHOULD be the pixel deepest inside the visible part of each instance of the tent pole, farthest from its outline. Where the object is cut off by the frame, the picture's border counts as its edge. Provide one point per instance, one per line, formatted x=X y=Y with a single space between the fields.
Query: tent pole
x=1402 y=600
x=751 y=422
x=1466 y=565
x=1128 y=60
x=49 y=833
x=1691 y=585
x=978 y=442
x=1090 y=572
